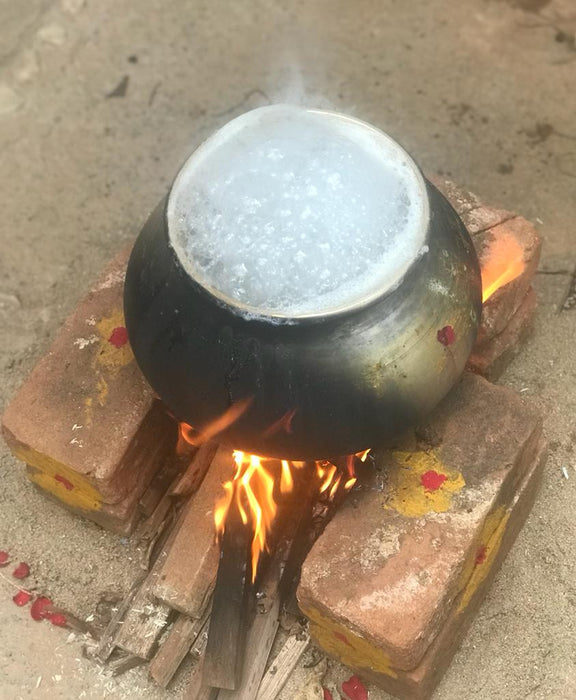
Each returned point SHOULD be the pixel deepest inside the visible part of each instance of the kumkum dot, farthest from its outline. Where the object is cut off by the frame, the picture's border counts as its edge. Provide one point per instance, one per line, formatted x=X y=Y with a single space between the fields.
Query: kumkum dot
x=4 y=558
x=68 y=485
x=481 y=555
x=119 y=337
x=432 y=480
x=327 y=695
x=342 y=637
x=446 y=336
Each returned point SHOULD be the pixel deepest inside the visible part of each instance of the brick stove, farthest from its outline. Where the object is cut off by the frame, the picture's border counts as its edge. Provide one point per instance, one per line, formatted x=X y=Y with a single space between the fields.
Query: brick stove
x=391 y=585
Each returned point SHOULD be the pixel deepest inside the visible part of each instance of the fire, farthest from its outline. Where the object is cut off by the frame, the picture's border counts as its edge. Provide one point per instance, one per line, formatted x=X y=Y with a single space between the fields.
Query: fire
x=503 y=262
x=254 y=488
x=251 y=491
x=191 y=436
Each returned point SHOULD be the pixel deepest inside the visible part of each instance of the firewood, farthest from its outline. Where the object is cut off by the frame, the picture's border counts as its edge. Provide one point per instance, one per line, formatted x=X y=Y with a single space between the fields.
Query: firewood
x=282 y=666
x=146 y=617
x=172 y=652
x=186 y=579
x=223 y=660
x=196 y=688
x=144 y=623
x=194 y=474
x=107 y=640
x=167 y=476
x=124 y=663
x=259 y=643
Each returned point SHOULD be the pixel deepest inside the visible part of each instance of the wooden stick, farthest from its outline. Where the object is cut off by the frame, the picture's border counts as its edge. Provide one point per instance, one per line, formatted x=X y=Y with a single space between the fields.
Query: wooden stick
x=290 y=526
x=146 y=617
x=196 y=688
x=124 y=663
x=107 y=640
x=282 y=666
x=187 y=578
x=260 y=639
x=225 y=649
x=168 y=658
x=192 y=477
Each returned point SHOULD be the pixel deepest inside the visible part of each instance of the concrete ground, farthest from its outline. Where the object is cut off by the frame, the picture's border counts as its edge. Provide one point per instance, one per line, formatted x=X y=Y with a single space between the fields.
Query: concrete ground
x=100 y=101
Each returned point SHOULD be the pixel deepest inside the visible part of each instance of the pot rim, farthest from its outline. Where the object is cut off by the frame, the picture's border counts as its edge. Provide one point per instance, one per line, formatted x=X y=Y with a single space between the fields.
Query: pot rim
x=249 y=311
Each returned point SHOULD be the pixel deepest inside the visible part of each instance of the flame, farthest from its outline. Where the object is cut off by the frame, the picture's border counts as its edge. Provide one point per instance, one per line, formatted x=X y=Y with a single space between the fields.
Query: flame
x=503 y=262
x=286 y=480
x=196 y=437
x=252 y=492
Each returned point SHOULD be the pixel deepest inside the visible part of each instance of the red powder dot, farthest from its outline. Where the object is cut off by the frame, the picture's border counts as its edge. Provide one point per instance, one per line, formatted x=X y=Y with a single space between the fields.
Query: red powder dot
x=481 y=555
x=4 y=558
x=432 y=480
x=327 y=695
x=68 y=485
x=118 y=337
x=446 y=335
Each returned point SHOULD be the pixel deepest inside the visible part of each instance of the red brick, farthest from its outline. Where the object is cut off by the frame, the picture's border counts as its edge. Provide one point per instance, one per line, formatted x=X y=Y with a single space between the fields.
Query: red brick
x=379 y=588
x=419 y=683
x=86 y=421
x=461 y=199
x=482 y=218
x=490 y=358
x=498 y=310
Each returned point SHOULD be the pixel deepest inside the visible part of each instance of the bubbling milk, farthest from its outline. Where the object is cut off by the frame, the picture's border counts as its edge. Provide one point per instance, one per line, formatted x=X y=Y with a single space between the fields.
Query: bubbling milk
x=288 y=212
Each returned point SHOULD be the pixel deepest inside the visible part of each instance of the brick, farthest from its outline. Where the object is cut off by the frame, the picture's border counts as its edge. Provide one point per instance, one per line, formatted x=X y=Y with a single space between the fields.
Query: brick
x=498 y=310
x=86 y=421
x=490 y=358
x=461 y=199
x=187 y=577
x=380 y=588
x=483 y=218
x=420 y=682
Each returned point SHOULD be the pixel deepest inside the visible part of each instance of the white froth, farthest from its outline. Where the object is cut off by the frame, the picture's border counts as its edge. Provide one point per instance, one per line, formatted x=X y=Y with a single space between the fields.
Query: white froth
x=290 y=212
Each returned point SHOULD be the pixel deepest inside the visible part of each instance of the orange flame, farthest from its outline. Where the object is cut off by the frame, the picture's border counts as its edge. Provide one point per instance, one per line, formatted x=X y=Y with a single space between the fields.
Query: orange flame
x=503 y=262
x=251 y=492
x=196 y=437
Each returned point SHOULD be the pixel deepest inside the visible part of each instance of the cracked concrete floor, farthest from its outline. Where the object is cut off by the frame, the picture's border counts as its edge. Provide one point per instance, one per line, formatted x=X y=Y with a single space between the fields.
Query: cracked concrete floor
x=99 y=104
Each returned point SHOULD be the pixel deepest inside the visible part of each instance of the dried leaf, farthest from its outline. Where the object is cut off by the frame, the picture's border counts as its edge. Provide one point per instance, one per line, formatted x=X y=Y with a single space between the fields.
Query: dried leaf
x=21 y=571
x=355 y=689
x=22 y=598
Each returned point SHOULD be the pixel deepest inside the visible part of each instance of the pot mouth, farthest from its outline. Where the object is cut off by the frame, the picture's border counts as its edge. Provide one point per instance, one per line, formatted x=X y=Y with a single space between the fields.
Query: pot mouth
x=290 y=213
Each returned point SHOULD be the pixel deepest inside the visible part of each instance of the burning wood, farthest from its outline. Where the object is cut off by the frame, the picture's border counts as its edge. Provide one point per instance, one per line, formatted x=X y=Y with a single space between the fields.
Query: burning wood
x=224 y=653
x=265 y=499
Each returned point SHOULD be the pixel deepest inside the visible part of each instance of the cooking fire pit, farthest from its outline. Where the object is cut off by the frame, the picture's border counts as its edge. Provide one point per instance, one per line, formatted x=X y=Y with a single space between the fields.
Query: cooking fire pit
x=301 y=302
